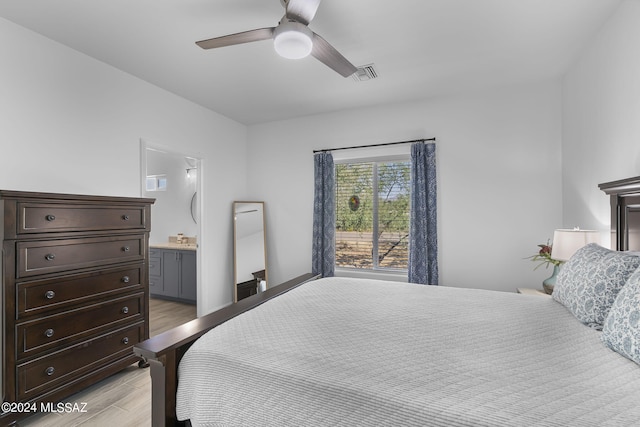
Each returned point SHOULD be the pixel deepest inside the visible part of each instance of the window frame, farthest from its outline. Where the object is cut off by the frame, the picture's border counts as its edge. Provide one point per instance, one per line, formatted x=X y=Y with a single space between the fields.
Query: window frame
x=375 y=270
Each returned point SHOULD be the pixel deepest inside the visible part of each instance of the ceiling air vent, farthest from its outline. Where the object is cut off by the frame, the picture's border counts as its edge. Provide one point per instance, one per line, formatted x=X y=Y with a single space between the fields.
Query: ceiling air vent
x=365 y=72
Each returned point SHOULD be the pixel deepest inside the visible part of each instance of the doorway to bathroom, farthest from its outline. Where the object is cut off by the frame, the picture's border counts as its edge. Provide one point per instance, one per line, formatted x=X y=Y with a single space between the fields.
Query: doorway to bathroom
x=173 y=179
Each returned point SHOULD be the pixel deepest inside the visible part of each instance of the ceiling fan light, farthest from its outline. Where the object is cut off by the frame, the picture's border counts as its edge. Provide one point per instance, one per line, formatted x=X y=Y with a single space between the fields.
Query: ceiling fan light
x=292 y=40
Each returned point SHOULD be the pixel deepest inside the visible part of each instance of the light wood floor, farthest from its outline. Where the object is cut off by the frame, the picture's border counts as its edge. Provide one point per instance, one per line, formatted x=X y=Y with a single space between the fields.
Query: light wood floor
x=124 y=399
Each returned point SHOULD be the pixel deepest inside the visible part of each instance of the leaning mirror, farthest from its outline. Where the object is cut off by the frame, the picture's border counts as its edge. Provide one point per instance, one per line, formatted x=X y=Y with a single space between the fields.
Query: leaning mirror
x=249 y=246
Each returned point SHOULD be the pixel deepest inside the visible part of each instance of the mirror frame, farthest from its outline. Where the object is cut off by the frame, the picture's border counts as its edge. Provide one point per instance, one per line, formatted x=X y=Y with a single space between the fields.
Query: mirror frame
x=235 y=245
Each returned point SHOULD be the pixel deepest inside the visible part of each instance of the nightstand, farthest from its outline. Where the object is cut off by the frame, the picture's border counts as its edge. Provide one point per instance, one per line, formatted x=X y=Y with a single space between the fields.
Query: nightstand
x=529 y=291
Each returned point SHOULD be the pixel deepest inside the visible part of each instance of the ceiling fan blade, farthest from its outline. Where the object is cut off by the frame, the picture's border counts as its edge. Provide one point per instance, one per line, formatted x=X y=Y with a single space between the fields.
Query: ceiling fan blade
x=330 y=57
x=302 y=11
x=238 y=38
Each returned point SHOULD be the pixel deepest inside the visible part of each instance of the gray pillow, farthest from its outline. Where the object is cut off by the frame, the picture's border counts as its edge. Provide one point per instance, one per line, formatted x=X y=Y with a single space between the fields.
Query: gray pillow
x=621 y=330
x=589 y=282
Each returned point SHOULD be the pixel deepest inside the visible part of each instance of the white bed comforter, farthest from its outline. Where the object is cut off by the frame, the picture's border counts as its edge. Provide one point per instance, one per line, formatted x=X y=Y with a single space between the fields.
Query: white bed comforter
x=351 y=352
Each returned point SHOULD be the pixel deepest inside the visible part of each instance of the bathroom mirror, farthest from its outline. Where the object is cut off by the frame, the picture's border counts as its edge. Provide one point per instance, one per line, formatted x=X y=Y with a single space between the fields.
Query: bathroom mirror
x=249 y=246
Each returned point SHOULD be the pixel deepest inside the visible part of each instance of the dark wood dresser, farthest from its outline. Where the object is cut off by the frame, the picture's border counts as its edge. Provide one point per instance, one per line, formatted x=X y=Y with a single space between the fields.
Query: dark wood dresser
x=75 y=292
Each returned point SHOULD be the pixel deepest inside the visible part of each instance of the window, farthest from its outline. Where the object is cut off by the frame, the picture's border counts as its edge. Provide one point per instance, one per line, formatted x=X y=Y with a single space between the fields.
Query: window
x=372 y=214
x=156 y=183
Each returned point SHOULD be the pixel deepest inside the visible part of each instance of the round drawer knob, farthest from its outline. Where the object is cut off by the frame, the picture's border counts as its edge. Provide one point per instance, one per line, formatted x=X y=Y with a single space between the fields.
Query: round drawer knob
x=48 y=333
x=125 y=248
x=49 y=294
x=49 y=257
x=50 y=217
x=125 y=340
x=50 y=370
x=125 y=217
x=125 y=310
x=125 y=279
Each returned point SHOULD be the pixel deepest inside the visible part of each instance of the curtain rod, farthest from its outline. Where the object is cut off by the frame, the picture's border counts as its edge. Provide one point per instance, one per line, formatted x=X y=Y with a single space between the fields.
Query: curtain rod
x=373 y=145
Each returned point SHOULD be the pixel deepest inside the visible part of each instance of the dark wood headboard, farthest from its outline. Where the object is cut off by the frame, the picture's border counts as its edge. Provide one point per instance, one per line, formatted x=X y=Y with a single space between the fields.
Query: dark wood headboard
x=625 y=213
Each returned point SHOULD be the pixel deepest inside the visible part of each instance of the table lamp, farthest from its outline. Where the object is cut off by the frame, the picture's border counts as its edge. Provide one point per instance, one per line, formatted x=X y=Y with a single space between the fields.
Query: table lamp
x=565 y=243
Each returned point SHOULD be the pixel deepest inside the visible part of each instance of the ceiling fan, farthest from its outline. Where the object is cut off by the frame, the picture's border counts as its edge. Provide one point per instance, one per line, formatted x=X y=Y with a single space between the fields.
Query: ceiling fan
x=292 y=38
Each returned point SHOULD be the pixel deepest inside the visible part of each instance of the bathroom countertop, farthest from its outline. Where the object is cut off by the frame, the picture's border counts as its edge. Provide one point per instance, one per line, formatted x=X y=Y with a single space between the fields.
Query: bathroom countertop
x=177 y=246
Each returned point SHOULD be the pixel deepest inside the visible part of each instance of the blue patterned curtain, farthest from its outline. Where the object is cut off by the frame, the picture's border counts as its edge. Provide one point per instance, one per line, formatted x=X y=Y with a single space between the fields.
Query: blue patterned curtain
x=324 y=223
x=423 y=236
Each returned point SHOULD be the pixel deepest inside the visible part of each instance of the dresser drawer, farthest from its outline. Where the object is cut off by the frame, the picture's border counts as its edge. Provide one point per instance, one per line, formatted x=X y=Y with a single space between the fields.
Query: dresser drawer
x=46 y=332
x=59 y=368
x=39 y=296
x=49 y=256
x=52 y=217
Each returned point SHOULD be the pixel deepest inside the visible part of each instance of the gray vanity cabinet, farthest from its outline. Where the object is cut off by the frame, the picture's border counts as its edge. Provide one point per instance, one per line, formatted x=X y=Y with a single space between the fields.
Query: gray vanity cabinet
x=172 y=274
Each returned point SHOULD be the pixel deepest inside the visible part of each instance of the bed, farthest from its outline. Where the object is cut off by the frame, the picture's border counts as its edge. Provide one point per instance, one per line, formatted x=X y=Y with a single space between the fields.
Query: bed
x=340 y=351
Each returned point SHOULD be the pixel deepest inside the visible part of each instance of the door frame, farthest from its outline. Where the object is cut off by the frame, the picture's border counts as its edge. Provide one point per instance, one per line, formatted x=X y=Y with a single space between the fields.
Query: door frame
x=146 y=145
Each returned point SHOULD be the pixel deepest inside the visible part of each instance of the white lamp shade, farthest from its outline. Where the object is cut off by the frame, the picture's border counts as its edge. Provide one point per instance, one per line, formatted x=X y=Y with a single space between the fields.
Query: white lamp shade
x=293 y=40
x=566 y=242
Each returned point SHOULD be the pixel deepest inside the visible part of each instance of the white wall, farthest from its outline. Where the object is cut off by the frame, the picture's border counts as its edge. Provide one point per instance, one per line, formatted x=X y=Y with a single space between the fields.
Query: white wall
x=71 y=124
x=601 y=119
x=498 y=156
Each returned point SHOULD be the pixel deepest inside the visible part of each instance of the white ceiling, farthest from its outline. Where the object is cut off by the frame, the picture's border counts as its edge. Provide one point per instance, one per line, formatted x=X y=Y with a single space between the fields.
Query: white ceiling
x=420 y=48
